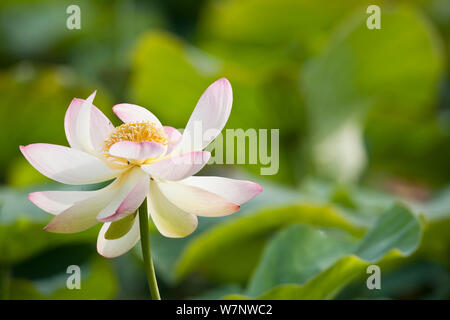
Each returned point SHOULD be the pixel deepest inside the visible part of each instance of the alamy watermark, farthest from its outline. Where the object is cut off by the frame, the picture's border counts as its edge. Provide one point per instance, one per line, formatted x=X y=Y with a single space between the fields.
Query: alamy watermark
x=74 y=19
x=232 y=146
x=74 y=280
x=374 y=20
x=374 y=280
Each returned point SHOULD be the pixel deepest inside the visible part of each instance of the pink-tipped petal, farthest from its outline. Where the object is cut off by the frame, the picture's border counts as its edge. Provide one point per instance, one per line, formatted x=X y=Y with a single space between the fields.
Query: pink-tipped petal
x=133 y=113
x=132 y=192
x=209 y=116
x=178 y=167
x=137 y=150
x=118 y=199
x=196 y=200
x=99 y=126
x=67 y=165
x=55 y=202
x=170 y=220
x=236 y=191
x=174 y=136
x=116 y=247
x=83 y=214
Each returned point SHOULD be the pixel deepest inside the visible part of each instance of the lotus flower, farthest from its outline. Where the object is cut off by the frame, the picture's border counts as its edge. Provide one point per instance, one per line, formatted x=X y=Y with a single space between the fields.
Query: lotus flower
x=146 y=160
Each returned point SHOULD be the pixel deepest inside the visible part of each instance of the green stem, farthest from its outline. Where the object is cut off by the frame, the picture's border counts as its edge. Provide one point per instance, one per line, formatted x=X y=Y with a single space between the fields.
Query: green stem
x=145 y=244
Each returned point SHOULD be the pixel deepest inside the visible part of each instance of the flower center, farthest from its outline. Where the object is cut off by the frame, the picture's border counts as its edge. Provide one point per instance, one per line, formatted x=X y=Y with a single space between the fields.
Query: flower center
x=136 y=132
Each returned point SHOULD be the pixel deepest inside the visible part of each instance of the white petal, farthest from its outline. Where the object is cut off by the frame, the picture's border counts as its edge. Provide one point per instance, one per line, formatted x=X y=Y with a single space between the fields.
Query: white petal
x=137 y=150
x=171 y=221
x=55 y=202
x=116 y=247
x=178 y=167
x=133 y=189
x=133 y=113
x=209 y=116
x=237 y=191
x=70 y=122
x=83 y=126
x=196 y=200
x=100 y=130
x=100 y=126
x=67 y=165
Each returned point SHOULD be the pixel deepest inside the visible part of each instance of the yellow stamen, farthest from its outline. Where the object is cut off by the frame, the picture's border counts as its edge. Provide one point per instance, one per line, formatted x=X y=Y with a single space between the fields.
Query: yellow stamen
x=136 y=132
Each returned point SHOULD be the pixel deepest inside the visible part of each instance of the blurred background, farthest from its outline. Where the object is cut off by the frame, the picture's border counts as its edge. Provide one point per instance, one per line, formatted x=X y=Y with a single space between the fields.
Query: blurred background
x=364 y=119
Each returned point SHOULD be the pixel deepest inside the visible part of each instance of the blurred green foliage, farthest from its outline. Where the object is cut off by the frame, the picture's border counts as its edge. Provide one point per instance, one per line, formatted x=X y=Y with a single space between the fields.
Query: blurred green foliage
x=364 y=119
x=329 y=260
